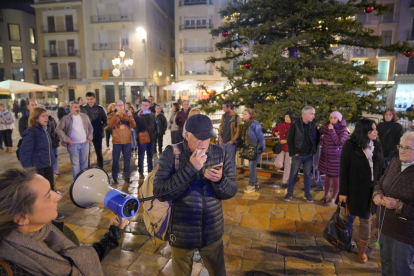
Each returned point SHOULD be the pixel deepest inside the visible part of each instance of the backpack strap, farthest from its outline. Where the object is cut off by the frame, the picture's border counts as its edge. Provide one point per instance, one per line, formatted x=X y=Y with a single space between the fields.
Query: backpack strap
x=177 y=154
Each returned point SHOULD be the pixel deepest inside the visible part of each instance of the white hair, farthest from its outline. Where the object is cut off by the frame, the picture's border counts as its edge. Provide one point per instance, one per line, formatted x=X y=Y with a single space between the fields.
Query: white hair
x=408 y=136
x=306 y=109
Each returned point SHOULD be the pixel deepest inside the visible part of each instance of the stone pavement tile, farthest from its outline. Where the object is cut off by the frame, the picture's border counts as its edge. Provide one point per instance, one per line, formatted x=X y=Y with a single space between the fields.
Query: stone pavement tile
x=330 y=255
x=67 y=208
x=292 y=215
x=197 y=269
x=72 y=227
x=307 y=216
x=225 y=239
x=265 y=246
x=290 y=249
x=258 y=255
x=255 y=221
x=151 y=246
x=312 y=253
x=167 y=270
x=260 y=211
x=91 y=221
x=287 y=207
x=131 y=242
x=228 y=208
x=246 y=232
x=84 y=232
x=305 y=239
x=251 y=196
x=318 y=218
x=232 y=261
x=262 y=204
x=297 y=266
x=285 y=237
x=110 y=270
x=232 y=218
x=269 y=268
x=148 y=264
x=267 y=234
x=242 y=209
x=310 y=227
x=283 y=225
x=233 y=251
x=307 y=208
x=119 y=258
x=320 y=240
x=228 y=229
x=95 y=236
x=239 y=243
x=344 y=269
x=74 y=219
x=235 y=202
x=276 y=213
x=352 y=258
x=136 y=228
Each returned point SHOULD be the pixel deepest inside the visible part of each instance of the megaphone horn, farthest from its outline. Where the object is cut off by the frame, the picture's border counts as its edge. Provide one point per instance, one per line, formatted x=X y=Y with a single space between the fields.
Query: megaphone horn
x=91 y=187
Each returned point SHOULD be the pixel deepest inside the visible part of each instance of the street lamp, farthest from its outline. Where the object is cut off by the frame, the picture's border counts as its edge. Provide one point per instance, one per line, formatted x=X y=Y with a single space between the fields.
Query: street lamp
x=159 y=73
x=121 y=64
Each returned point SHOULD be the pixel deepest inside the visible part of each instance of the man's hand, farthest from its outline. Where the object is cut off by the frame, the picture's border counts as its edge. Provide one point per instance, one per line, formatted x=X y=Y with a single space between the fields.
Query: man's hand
x=214 y=175
x=87 y=141
x=229 y=143
x=118 y=224
x=297 y=154
x=342 y=198
x=199 y=160
x=283 y=141
x=220 y=141
x=70 y=143
x=3 y=121
x=378 y=199
x=389 y=202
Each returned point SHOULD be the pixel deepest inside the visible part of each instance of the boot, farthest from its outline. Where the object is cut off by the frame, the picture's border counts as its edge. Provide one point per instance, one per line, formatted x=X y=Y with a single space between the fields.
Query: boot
x=363 y=246
x=10 y=149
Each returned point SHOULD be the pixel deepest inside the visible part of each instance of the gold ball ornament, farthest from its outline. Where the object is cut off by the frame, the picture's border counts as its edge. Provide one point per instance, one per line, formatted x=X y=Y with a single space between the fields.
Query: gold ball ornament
x=236 y=15
x=227 y=18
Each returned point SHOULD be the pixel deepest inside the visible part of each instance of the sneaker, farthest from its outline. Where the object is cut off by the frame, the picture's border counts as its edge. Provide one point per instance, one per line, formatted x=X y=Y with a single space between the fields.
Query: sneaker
x=60 y=216
x=114 y=181
x=288 y=197
x=249 y=189
x=330 y=202
x=127 y=180
x=284 y=185
x=309 y=198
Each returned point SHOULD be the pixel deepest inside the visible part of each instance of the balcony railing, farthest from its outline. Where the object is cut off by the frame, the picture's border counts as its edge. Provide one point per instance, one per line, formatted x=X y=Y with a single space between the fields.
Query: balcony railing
x=61 y=53
x=388 y=18
x=109 y=46
x=196 y=50
x=111 y=18
x=54 y=1
x=193 y=27
x=360 y=53
x=383 y=53
x=62 y=76
x=385 y=76
x=191 y=72
x=195 y=2
x=59 y=28
x=129 y=73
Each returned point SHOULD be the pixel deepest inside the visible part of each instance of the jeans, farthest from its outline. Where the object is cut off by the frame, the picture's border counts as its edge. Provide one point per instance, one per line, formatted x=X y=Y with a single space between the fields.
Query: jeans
x=126 y=153
x=108 y=133
x=180 y=137
x=397 y=258
x=231 y=151
x=158 y=141
x=78 y=154
x=97 y=144
x=149 y=149
x=253 y=170
x=48 y=174
x=55 y=164
x=297 y=161
x=134 y=143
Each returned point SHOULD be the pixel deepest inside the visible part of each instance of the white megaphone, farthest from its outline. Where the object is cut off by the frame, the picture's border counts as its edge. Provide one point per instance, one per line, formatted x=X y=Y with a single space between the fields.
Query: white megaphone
x=91 y=187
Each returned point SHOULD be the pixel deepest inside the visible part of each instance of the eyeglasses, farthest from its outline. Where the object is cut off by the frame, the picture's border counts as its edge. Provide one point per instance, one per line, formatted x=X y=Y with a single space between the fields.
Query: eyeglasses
x=400 y=147
x=119 y=105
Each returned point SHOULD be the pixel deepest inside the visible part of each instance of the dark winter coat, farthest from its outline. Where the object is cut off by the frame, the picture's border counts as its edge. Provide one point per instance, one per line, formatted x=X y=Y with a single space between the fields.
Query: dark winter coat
x=197 y=216
x=161 y=124
x=145 y=122
x=389 y=134
x=355 y=177
x=62 y=112
x=51 y=127
x=180 y=119
x=296 y=136
x=23 y=124
x=36 y=149
x=332 y=141
x=99 y=120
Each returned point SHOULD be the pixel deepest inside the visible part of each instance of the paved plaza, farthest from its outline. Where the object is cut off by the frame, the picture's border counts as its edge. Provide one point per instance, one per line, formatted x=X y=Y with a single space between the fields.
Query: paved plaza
x=263 y=235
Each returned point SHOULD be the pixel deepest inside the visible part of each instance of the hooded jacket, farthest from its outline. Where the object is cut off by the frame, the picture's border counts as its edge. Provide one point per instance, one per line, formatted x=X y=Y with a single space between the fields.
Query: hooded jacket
x=36 y=148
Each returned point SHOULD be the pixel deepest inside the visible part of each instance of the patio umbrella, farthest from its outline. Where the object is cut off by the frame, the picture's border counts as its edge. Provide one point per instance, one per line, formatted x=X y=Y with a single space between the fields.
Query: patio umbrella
x=188 y=84
x=171 y=87
x=17 y=87
x=220 y=86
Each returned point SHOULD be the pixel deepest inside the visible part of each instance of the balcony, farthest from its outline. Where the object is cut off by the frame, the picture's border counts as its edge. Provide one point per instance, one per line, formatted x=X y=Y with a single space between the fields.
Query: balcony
x=127 y=74
x=59 y=29
x=195 y=2
x=62 y=76
x=410 y=35
x=385 y=76
x=186 y=50
x=54 y=1
x=61 y=53
x=196 y=73
x=111 y=18
x=383 y=53
x=109 y=46
x=388 y=19
x=193 y=27
x=360 y=52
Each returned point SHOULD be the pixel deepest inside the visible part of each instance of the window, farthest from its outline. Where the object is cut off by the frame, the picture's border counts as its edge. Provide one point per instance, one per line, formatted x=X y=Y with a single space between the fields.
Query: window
x=410 y=68
x=34 y=56
x=383 y=67
x=32 y=36
x=1 y=74
x=1 y=55
x=36 y=76
x=14 y=32
x=16 y=54
x=18 y=74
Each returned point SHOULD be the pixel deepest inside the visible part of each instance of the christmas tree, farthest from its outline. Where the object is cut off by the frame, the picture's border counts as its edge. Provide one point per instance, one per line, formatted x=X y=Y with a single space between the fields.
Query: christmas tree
x=289 y=54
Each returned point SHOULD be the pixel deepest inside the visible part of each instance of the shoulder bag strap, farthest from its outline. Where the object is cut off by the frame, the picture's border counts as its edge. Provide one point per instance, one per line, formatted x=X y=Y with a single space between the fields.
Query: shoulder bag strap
x=7 y=267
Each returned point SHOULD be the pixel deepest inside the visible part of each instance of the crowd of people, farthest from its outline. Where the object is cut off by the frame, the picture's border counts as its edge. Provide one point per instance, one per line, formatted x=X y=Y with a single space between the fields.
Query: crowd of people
x=369 y=170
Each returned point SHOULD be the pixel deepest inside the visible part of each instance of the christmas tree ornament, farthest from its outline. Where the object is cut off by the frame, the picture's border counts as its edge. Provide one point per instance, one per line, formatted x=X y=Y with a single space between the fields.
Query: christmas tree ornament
x=227 y=18
x=409 y=54
x=241 y=66
x=338 y=18
x=236 y=15
x=225 y=34
x=246 y=65
x=369 y=9
x=351 y=18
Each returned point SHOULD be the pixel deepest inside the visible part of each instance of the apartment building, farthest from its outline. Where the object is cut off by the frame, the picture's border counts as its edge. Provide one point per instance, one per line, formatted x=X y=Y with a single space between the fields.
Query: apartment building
x=193 y=42
x=395 y=70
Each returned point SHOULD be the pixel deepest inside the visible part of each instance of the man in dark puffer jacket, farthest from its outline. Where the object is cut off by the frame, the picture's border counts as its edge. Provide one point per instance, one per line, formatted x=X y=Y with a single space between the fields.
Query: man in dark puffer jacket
x=197 y=216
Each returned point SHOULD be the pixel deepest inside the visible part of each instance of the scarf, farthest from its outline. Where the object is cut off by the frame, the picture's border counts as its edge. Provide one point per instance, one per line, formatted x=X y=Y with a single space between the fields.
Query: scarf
x=49 y=252
x=369 y=152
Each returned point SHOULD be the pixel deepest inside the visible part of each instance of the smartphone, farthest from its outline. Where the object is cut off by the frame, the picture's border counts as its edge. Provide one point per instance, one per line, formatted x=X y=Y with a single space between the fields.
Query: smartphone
x=146 y=111
x=126 y=111
x=217 y=167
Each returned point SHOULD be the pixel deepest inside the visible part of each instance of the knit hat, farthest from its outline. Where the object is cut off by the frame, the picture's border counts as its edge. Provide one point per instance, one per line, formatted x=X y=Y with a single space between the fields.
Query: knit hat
x=337 y=115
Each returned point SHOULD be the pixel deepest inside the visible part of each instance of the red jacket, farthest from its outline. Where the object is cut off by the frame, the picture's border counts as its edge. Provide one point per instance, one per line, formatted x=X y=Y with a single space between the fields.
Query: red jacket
x=180 y=119
x=283 y=129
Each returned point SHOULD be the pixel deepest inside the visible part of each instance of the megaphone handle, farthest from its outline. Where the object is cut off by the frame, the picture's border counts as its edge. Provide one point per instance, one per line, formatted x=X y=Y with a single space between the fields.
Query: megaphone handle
x=120 y=219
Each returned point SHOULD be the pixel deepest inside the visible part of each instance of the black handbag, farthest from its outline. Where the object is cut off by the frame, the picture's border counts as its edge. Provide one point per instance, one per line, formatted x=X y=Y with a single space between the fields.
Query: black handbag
x=338 y=232
x=248 y=152
x=277 y=148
